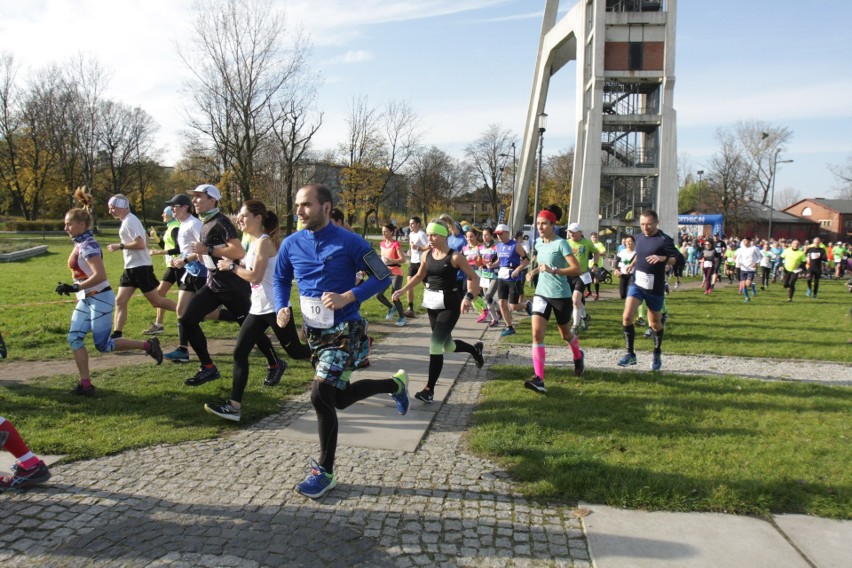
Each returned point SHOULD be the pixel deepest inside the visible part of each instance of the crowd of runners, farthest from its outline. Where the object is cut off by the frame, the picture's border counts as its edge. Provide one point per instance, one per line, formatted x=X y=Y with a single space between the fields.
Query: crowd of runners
x=243 y=271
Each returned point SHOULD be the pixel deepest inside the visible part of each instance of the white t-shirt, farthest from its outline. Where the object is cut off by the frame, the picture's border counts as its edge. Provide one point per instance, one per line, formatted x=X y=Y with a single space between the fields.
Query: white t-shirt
x=188 y=233
x=747 y=258
x=420 y=239
x=130 y=230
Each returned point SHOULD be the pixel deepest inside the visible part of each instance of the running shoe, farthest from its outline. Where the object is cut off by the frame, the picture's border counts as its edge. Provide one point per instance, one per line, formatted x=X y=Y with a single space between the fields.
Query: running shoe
x=587 y=293
x=480 y=361
x=391 y=314
x=204 y=375
x=508 y=331
x=401 y=398
x=409 y=313
x=3 y=351
x=656 y=362
x=535 y=383
x=177 y=356
x=584 y=322
x=274 y=374
x=425 y=396
x=223 y=409
x=317 y=483
x=596 y=296
x=155 y=329
x=528 y=308
x=494 y=323
x=627 y=360
x=154 y=350
x=580 y=364
x=575 y=330
x=665 y=318
x=25 y=478
x=649 y=333
x=677 y=285
x=80 y=390
x=401 y=322
x=483 y=317
x=746 y=300
x=808 y=292
x=640 y=322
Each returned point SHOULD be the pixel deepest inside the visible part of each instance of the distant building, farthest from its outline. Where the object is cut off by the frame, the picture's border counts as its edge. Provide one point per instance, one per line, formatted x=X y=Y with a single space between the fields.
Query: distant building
x=834 y=216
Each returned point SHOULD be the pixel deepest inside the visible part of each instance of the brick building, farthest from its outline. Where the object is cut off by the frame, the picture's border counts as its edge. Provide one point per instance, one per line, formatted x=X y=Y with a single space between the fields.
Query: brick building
x=833 y=215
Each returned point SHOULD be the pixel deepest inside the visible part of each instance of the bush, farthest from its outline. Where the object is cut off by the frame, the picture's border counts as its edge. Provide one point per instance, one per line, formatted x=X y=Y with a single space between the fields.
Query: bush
x=45 y=225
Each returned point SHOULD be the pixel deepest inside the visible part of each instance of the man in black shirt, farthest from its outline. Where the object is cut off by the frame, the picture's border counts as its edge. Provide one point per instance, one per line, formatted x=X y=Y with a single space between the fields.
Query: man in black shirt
x=654 y=250
x=219 y=239
x=816 y=257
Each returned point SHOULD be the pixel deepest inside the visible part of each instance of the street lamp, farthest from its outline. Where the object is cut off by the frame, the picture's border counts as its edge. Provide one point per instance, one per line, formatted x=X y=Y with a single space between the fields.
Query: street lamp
x=772 y=176
x=698 y=194
x=542 y=126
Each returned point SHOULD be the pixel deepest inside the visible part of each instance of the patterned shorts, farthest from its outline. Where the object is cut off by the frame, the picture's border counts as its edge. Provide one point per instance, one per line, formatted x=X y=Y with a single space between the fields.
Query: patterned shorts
x=333 y=351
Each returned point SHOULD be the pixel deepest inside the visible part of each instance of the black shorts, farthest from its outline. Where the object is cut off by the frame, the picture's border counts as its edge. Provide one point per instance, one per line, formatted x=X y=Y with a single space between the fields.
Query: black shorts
x=510 y=290
x=562 y=307
x=413 y=268
x=141 y=277
x=577 y=284
x=172 y=275
x=192 y=283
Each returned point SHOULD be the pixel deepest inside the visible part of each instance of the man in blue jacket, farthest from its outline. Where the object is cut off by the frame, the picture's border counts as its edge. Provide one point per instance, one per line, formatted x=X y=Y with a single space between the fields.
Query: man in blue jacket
x=324 y=259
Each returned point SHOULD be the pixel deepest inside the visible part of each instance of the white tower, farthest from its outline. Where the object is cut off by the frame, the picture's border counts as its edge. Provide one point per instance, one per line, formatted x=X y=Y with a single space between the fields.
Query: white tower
x=626 y=150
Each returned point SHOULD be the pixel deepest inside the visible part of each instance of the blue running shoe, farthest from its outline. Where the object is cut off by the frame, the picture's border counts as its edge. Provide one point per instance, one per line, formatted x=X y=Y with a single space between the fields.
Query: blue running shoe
x=627 y=360
x=177 y=356
x=657 y=362
x=317 y=483
x=391 y=314
x=508 y=331
x=808 y=292
x=401 y=397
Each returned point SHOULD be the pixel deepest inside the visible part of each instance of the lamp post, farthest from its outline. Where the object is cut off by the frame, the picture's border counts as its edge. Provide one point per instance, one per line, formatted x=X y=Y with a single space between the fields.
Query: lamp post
x=542 y=126
x=772 y=176
x=698 y=194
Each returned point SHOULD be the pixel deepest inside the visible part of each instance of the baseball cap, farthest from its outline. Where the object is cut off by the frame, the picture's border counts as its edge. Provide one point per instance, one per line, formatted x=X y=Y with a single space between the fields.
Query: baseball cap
x=574 y=228
x=501 y=228
x=210 y=190
x=180 y=199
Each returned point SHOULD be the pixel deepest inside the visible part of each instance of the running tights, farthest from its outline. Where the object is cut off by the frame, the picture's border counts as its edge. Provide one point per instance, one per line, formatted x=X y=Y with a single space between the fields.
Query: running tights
x=443 y=322
x=790 y=283
x=813 y=282
x=396 y=284
x=765 y=273
x=708 y=278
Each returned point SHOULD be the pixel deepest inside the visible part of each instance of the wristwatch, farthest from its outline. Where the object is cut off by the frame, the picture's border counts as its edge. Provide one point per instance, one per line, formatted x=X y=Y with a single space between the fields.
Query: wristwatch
x=232 y=267
x=469 y=296
x=121 y=246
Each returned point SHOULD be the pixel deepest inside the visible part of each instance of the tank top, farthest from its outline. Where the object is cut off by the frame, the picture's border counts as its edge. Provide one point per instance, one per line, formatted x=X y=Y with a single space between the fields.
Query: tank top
x=262 y=297
x=169 y=239
x=509 y=258
x=441 y=274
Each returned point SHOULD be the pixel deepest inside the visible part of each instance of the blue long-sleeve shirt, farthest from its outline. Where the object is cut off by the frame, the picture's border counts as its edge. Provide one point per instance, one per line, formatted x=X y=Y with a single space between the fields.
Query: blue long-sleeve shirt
x=325 y=261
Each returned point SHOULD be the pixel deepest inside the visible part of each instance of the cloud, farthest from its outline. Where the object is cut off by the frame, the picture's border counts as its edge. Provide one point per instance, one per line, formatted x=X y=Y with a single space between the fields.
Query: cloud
x=351 y=56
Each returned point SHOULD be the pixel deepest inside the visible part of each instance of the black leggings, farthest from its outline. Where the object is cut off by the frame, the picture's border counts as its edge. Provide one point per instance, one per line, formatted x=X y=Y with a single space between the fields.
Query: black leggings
x=396 y=284
x=813 y=281
x=709 y=273
x=790 y=283
x=765 y=273
x=254 y=327
x=327 y=399
x=442 y=323
x=623 y=283
x=205 y=301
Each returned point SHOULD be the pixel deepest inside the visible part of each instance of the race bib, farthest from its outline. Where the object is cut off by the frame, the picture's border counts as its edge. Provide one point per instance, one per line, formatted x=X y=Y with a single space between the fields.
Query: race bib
x=484 y=281
x=708 y=264
x=815 y=255
x=208 y=261
x=586 y=278
x=539 y=304
x=797 y=271
x=644 y=280
x=315 y=314
x=433 y=299
x=504 y=272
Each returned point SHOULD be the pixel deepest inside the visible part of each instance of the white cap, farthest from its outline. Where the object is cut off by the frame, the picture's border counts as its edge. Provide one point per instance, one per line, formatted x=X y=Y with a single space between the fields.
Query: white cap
x=210 y=190
x=502 y=228
x=574 y=228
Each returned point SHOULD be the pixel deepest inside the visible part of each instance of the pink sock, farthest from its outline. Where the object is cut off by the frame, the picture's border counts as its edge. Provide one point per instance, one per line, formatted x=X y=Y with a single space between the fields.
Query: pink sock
x=574 y=344
x=538 y=359
x=87 y=382
x=14 y=444
x=28 y=461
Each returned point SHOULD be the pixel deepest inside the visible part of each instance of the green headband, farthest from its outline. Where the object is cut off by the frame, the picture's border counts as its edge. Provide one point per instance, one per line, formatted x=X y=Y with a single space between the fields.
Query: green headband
x=437 y=229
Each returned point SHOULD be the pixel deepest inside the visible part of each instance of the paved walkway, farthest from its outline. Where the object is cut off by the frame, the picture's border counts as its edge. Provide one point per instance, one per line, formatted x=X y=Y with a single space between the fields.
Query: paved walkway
x=410 y=494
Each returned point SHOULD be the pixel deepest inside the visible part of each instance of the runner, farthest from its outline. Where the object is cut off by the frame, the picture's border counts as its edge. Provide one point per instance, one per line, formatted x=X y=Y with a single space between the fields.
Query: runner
x=511 y=261
x=654 y=250
x=28 y=470
x=601 y=250
x=323 y=259
x=556 y=263
x=138 y=267
x=747 y=257
x=710 y=263
x=169 y=248
x=731 y=262
x=488 y=277
x=393 y=258
x=417 y=245
x=95 y=302
x=625 y=258
x=583 y=249
x=793 y=259
x=816 y=257
x=262 y=225
x=767 y=259
x=444 y=300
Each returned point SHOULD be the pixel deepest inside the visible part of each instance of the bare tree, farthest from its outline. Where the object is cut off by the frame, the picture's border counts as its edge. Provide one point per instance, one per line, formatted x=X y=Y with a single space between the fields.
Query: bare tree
x=759 y=141
x=843 y=175
x=786 y=197
x=730 y=182
x=126 y=138
x=241 y=71
x=435 y=179
x=486 y=156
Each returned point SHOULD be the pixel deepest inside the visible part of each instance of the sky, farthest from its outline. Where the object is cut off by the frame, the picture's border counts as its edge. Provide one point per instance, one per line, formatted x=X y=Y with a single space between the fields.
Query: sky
x=466 y=64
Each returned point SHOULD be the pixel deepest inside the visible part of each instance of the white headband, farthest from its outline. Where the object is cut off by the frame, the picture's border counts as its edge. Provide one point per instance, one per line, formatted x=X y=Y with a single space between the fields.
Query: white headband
x=119 y=202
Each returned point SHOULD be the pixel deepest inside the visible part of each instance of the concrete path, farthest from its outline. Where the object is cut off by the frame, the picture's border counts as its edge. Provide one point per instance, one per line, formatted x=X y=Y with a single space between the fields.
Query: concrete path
x=410 y=494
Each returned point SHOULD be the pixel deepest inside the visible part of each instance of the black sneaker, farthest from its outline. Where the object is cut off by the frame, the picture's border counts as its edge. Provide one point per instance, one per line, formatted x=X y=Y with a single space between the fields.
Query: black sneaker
x=3 y=351
x=204 y=375
x=274 y=374
x=425 y=396
x=535 y=383
x=223 y=409
x=79 y=390
x=154 y=350
x=478 y=355
x=580 y=364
